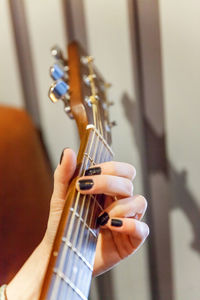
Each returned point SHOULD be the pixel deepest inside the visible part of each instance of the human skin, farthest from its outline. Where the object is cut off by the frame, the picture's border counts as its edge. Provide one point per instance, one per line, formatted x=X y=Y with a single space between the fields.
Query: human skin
x=114 y=242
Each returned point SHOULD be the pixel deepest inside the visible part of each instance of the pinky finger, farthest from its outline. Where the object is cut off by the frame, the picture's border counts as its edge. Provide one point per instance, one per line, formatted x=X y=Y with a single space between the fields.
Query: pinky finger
x=134 y=228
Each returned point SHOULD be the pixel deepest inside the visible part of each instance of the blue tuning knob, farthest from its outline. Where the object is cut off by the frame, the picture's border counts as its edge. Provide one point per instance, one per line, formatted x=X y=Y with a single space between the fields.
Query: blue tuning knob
x=56 y=72
x=60 y=89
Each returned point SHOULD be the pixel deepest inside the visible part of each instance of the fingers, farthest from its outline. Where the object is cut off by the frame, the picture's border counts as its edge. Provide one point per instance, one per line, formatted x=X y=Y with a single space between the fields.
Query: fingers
x=111 y=178
x=105 y=184
x=131 y=227
x=128 y=207
x=64 y=173
x=114 y=168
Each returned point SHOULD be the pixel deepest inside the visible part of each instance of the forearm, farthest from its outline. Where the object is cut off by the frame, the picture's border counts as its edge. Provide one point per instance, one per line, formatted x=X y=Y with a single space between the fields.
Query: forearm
x=28 y=281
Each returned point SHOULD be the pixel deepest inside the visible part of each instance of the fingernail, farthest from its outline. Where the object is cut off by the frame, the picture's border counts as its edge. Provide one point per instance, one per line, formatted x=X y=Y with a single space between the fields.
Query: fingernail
x=85 y=184
x=61 y=157
x=103 y=219
x=93 y=171
x=116 y=222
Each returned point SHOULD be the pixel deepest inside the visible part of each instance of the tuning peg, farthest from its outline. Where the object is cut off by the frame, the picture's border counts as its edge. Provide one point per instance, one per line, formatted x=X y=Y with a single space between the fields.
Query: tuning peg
x=58 y=72
x=56 y=52
x=87 y=59
x=58 y=90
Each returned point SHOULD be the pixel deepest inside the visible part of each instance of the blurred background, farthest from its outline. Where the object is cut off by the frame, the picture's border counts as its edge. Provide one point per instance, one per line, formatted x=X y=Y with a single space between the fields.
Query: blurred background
x=149 y=51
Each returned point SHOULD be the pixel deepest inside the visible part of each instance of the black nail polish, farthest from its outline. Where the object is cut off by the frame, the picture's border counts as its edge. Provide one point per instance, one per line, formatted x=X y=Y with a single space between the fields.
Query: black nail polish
x=93 y=171
x=61 y=157
x=103 y=219
x=116 y=222
x=85 y=184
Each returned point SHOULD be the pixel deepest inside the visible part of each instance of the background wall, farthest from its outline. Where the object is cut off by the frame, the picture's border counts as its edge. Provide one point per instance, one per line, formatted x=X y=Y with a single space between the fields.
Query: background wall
x=181 y=68
x=109 y=33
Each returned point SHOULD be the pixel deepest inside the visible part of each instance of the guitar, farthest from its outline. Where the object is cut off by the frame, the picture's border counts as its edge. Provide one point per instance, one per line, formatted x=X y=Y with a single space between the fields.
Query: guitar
x=84 y=93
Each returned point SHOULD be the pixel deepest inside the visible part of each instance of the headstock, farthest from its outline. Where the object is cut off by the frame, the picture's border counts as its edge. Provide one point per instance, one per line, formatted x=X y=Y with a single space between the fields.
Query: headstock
x=82 y=89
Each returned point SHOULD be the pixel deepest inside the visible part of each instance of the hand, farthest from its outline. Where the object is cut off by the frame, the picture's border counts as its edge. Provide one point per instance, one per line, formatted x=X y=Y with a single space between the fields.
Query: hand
x=123 y=232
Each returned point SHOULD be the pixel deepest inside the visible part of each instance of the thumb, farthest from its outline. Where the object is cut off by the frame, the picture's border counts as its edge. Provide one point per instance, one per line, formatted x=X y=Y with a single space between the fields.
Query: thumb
x=64 y=173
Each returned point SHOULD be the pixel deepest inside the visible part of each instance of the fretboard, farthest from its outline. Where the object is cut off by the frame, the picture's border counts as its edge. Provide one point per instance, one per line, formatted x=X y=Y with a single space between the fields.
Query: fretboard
x=74 y=259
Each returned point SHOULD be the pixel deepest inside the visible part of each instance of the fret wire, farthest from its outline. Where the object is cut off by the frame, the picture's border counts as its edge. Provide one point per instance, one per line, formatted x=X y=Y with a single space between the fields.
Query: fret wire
x=69 y=244
x=90 y=159
x=100 y=137
x=64 y=252
x=86 y=225
x=68 y=281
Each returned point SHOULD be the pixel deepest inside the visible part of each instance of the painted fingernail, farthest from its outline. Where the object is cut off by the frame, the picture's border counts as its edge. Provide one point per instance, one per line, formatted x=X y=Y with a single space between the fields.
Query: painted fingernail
x=116 y=222
x=85 y=184
x=93 y=171
x=103 y=219
x=61 y=157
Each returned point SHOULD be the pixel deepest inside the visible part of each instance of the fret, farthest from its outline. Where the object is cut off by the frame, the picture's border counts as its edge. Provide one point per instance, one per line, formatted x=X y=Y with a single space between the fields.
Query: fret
x=77 y=253
x=90 y=126
x=89 y=158
x=94 y=198
x=84 y=223
x=68 y=281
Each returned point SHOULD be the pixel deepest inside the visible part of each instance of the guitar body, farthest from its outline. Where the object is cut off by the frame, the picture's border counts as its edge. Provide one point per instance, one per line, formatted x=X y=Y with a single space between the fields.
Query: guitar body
x=70 y=267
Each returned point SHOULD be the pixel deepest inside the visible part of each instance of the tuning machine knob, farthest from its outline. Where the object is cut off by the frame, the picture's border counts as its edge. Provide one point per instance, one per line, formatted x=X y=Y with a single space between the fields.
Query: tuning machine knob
x=59 y=90
x=56 y=52
x=57 y=72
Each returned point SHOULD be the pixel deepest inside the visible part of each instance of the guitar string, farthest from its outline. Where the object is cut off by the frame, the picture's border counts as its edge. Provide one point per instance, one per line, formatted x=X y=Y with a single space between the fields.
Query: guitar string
x=88 y=237
x=87 y=232
x=65 y=248
x=71 y=275
x=94 y=202
x=101 y=159
x=83 y=243
x=95 y=105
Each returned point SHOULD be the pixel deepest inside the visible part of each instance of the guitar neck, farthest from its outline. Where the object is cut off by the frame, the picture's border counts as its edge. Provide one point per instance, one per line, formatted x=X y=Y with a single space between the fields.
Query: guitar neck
x=70 y=268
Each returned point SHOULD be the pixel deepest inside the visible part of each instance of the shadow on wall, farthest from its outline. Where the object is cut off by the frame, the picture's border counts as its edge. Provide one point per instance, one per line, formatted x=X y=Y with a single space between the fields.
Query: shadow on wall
x=181 y=198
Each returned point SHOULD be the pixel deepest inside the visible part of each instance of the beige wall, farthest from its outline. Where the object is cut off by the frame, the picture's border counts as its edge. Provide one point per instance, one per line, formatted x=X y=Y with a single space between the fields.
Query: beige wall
x=180 y=25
